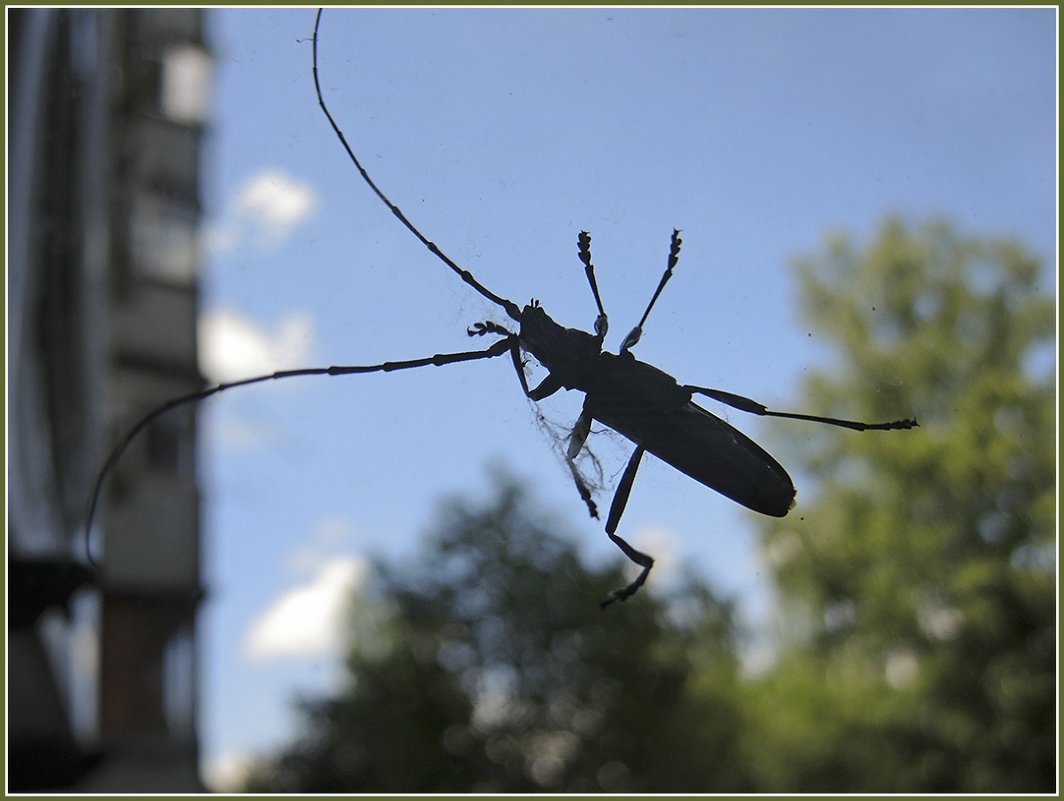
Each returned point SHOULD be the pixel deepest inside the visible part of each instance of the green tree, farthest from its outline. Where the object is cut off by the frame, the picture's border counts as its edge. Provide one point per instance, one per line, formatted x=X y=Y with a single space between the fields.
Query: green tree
x=488 y=666
x=919 y=577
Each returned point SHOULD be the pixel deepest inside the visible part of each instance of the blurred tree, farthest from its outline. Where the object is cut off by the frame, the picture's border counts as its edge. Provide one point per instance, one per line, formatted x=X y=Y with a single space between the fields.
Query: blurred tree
x=918 y=582
x=489 y=667
x=917 y=589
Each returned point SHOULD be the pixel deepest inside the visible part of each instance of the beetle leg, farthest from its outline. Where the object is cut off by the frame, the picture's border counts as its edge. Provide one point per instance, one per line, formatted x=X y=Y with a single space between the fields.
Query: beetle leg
x=620 y=500
x=547 y=387
x=577 y=437
x=753 y=407
x=624 y=489
x=581 y=487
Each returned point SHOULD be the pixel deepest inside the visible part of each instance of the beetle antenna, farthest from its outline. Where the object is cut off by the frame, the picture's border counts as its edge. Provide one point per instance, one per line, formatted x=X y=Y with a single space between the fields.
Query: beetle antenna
x=674 y=256
x=500 y=348
x=508 y=306
x=583 y=244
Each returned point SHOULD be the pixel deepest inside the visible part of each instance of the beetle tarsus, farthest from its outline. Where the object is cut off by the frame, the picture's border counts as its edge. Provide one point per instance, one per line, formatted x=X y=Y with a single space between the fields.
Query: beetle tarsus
x=641 y=559
x=488 y=327
x=581 y=487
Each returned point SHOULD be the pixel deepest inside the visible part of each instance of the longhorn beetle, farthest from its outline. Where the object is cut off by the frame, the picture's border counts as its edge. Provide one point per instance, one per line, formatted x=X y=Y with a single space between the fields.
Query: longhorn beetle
x=635 y=399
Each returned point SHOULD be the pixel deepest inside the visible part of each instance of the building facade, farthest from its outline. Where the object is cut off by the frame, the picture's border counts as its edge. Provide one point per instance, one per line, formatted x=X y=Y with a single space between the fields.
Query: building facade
x=107 y=115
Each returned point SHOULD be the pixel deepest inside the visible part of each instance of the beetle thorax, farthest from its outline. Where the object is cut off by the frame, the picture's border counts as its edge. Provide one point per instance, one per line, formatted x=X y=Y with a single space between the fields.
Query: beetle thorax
x=567 y=353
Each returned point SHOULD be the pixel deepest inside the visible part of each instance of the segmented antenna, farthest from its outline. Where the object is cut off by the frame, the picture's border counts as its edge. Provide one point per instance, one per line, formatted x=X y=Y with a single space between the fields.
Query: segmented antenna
x=508 y=306
x=674 y=256
x=500 y=348
x=583 y=245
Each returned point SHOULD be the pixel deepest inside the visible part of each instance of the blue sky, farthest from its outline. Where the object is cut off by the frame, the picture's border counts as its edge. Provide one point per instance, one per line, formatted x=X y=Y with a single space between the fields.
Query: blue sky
x=503 y=133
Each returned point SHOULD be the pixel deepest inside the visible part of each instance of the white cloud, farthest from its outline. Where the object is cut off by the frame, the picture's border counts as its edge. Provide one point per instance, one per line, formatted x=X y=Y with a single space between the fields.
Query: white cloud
x=266 y=209
x=233 y=346
x=225 y=773
x=306 y=621
x=276 y=203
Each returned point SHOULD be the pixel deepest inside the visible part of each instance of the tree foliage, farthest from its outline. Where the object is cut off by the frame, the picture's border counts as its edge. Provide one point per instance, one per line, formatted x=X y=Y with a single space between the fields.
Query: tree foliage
x=490 y=667
x=921 y=573
x=916 y=584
